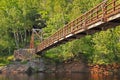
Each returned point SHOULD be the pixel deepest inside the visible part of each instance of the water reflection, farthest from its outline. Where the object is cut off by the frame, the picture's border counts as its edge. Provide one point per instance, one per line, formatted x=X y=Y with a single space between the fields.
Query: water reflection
x=104 y=77
x=58 y=76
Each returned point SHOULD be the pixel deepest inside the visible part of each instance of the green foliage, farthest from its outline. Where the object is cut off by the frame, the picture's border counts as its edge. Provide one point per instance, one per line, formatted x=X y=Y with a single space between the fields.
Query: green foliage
x=100 y=48
x=10 y=58
x=106 y=45
x=24 y=62
x=3 y=61
x=17 y=18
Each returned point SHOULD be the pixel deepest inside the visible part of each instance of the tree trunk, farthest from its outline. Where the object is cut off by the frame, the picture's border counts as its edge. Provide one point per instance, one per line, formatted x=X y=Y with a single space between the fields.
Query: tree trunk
x=25 y=37
x=16 y=42
x=21 y=38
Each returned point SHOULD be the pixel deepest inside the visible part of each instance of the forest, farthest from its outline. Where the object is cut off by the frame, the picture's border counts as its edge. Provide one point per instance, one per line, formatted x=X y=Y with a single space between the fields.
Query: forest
x=19 y=17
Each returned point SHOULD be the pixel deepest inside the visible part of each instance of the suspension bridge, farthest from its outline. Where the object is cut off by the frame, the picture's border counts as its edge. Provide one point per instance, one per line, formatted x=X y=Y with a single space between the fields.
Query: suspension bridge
x=101 y=17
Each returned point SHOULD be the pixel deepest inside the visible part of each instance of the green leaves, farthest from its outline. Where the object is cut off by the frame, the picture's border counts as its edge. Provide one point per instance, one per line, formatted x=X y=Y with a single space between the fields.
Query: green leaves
x=17 y=18
x=106 y=44
x=13 y=23
x=100 y=48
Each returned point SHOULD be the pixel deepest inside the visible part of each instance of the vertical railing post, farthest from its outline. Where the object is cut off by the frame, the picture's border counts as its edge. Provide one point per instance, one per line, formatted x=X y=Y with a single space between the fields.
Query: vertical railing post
x=56 y=36
x=81 y=22
x=114 y=4
x=72 y=27
x=98 y=9
x=45 y=43
x=64 y=32
x=76 y=23
x=97 y=12
x=58 y=33
x=104 y=10
x=85 y=19
x=91 y=15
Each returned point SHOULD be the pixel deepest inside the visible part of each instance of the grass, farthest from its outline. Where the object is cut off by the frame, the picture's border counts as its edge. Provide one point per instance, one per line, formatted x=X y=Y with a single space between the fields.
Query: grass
x=5 y=60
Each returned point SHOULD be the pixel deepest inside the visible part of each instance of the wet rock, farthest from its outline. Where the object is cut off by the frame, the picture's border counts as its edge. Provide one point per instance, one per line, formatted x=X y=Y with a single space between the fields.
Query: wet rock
x=44 y=65
x=109 y=69
x=0 y=72
x=29 y=70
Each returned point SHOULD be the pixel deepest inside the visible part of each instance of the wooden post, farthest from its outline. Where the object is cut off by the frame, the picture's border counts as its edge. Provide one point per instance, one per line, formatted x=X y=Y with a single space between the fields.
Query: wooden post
x=97 y=12
x=72 y=27
x=32 y=41
x=104 y=11
x=85 y=21
x=114 y=4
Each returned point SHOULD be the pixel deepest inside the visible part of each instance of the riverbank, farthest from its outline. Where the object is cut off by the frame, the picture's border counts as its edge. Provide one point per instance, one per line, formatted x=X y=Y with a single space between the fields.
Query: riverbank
x=109 y=69
x=44 y=66
x=70 y=66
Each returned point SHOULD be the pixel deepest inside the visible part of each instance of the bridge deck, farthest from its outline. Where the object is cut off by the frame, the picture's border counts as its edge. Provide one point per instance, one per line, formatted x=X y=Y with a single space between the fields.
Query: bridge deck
x=103 y=16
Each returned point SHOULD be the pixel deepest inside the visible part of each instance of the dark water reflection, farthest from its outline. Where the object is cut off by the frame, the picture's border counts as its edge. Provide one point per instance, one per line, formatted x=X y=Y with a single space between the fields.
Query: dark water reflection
x=62 y=76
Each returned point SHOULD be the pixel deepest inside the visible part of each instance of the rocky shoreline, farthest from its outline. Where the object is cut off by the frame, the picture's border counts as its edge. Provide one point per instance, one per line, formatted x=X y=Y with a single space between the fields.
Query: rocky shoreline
x=109 y=69
x=22 y=67
x=46 y=66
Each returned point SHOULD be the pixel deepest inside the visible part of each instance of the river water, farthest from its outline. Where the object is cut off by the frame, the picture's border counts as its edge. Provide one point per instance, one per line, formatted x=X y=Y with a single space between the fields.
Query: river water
x=58 y=76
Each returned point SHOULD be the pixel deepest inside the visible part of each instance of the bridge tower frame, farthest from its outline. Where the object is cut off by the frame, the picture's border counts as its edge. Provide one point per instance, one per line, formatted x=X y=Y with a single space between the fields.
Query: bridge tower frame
x=38 y=33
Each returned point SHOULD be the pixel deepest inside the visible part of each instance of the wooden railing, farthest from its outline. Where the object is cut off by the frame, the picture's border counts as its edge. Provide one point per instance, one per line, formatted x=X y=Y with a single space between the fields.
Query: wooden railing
x=101 y=12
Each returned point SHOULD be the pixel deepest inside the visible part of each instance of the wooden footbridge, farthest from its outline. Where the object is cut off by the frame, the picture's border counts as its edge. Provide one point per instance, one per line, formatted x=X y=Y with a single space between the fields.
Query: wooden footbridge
x=103 y=16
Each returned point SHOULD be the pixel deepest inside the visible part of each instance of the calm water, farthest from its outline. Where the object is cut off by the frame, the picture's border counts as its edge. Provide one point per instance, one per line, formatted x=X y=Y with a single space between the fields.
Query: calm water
x=53 y=76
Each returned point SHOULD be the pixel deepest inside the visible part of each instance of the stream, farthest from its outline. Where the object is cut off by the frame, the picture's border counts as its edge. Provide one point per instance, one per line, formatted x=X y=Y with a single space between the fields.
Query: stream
x=58 y=76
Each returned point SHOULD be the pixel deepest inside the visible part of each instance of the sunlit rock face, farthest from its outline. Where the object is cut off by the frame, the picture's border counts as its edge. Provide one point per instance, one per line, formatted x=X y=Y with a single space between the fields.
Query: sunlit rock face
x=24 y=54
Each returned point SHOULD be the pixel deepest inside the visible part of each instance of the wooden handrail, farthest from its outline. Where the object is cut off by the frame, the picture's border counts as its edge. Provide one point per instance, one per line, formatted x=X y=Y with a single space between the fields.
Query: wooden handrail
x=99 y=13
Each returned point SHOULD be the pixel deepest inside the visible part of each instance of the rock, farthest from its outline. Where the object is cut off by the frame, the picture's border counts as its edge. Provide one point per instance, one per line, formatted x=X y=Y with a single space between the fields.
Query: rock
x=29 y=70
x=109 y=69
x=0 y=72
